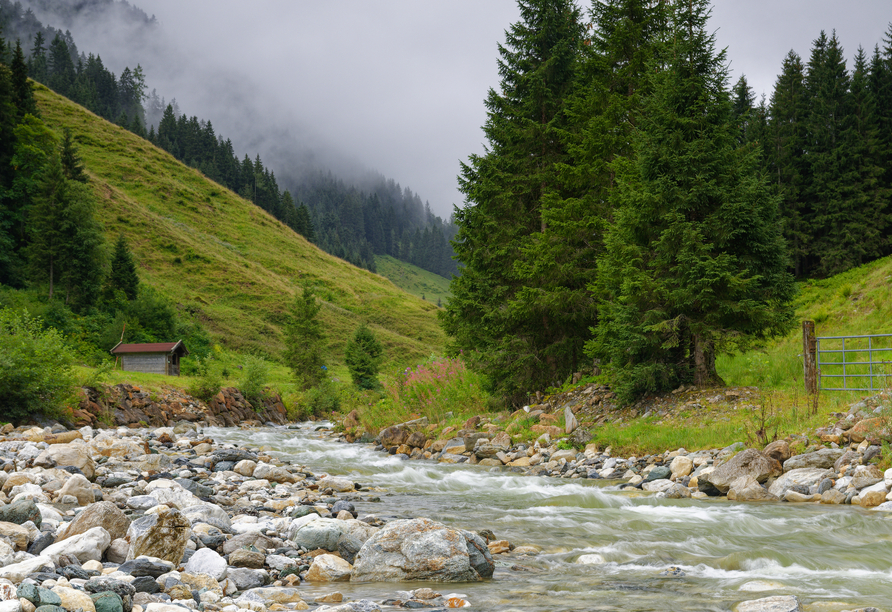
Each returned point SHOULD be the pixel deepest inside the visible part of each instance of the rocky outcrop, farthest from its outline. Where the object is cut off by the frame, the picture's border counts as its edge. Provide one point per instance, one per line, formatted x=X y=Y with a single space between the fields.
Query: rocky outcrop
x=130 y=406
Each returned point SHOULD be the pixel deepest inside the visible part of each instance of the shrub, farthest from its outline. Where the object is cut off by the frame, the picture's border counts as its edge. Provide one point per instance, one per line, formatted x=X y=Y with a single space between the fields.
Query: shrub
x=305 y=340
x=363 y=358
x=255 y=373
x=207 y=381
x=35 y=368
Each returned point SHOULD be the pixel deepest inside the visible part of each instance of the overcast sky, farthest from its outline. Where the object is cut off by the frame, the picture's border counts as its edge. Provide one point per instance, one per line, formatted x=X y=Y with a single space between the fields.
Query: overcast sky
x=398 y=85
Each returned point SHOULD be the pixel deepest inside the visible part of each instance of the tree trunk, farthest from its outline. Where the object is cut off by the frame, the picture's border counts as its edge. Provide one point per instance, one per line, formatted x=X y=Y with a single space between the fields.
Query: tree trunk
x=704 y=363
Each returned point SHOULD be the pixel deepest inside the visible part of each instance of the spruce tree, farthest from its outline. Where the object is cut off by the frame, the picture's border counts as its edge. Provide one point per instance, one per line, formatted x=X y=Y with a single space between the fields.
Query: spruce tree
x=363 y=357
x=71 y=161
x=305 y=340
x=122 y=276
x=22 y=91
x=785 y=147
x=504 y=307
x=694 y=262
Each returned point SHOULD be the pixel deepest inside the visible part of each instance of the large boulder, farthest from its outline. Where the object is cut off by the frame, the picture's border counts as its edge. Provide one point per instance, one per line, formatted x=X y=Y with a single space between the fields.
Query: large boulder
x=324 y=533
x=78 y=487
x=103 y=514
x=866 y=475
x=162 y=534
x=778 y=450
x=748 y=489
x=329 y=568
x=207 y=561
x=75 y=454
x=87 y=546
x=807 y=477
x=749 y=462
x=21 y=511
x=778 y=603
x=209 y=513
x=422 y=549
x=821 y=459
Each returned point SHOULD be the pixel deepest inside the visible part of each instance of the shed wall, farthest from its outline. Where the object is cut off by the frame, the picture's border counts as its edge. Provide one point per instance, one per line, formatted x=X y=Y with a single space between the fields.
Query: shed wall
x=153 y=363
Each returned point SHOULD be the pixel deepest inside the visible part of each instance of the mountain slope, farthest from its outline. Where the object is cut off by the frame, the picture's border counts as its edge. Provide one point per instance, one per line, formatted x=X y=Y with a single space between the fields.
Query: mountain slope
x=224 y=259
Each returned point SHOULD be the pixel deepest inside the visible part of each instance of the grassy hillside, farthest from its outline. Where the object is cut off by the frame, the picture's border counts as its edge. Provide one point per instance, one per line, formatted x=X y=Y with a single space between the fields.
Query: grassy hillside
x=418 y=282
x=857 y=302
x=225 y=260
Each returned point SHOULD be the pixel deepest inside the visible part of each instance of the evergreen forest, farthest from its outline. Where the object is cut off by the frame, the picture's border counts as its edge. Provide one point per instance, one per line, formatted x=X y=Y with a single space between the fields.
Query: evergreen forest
x=636 y=214
x=348 y=222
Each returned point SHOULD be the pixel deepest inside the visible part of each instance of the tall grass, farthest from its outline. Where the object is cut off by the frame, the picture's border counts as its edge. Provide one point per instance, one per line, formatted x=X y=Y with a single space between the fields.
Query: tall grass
x=438 y=388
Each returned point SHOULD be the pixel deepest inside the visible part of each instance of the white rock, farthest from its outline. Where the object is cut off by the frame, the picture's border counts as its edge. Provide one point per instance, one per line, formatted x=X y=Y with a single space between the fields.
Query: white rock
x=85 y=546
x=207 y=561
x=657 y=485
x=17 y=571
x=590 y=559
x=783 y=603
x=11 y=605
x=681 y=466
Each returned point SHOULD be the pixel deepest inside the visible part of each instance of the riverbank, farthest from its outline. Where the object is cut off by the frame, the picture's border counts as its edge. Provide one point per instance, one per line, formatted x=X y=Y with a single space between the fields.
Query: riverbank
x=838 y=464
x=165 y=519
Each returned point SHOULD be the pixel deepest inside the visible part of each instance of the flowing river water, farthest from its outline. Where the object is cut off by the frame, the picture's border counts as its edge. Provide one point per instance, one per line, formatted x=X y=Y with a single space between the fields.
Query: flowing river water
x=832 y=557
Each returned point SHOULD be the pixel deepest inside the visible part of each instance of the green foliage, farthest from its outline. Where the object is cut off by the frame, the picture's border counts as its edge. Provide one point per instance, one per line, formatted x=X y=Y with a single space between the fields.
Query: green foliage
x=35 y=368
x=253 y=379
x=207 y=381
x=323 y=399
x=305 y=340
x=363 y=358
x=71 y=161
x=122 y=275
x=695 y=264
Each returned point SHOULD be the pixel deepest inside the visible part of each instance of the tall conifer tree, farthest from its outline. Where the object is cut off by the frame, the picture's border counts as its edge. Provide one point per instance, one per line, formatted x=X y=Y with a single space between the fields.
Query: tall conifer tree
x=695 y=263
x=501 y=307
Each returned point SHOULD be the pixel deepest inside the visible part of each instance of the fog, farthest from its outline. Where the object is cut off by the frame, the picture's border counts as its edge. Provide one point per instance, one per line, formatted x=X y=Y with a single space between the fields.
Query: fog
x=398 y=86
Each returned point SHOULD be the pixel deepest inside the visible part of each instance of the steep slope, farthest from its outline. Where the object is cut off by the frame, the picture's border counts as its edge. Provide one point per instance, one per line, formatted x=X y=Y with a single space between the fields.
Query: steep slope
x=222 y=258
x=415 y=280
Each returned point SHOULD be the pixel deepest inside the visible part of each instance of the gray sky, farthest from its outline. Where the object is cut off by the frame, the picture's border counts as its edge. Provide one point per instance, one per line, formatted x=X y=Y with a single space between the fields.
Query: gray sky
x=398 y=85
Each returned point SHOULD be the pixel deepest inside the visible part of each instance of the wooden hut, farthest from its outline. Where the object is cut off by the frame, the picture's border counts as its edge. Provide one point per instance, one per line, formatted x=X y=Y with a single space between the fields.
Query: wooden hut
x=155 y=358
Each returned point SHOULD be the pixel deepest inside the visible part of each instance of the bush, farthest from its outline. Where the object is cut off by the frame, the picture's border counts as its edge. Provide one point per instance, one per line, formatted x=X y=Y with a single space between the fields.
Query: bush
x=35 y=368
x=255 y=373
x=363 y=358
x=207 y=380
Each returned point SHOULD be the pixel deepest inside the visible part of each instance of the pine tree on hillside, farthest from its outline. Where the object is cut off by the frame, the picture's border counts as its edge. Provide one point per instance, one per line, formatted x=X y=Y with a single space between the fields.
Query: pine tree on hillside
x=787 y=141
x=694 y=263
x=122 y=276
x=71 y=161
x=363 y=358
x=495 y=309
x=22 y=91
x=305 y=340
x=37 y=62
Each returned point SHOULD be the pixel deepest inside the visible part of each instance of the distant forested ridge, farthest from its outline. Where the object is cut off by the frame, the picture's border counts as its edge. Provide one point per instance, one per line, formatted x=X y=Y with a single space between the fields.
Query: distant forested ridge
x=635 y=211
x=354 y=224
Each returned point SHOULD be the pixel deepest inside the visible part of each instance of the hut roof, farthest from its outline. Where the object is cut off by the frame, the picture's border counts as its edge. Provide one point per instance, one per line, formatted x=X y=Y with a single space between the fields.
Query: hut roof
x=154 y=347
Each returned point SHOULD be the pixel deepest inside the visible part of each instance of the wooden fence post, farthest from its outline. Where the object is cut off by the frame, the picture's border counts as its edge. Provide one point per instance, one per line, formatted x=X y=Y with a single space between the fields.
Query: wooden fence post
x=810 y=357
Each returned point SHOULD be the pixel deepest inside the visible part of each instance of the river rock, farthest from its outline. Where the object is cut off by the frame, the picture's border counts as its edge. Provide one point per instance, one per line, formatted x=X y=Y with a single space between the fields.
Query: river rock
x=393 y=436
x=779 y=450
x=86 y=546
x=319 y=533
x=677 y=491
x=79 y=487
x=143 y=566
x=867 y=475
x=72 y=599
x=681 y=466
x=848 y=458
x=209 y=513
x=245 y=578
x=124 y=591
x=175 y=496
x=245 y=467
x=656 y=486
x=821 y=459
x=17 y=572
x=780 y=603
x=21 y=511
x=833 y=496
x=748 y=489
x=246 y=540
x=108 y=601
x=565 y=454
x=207 y=561
x=871 y=499
x=247 y=558
x=103 y=514
x=73 y=454
x=16 y=534
x=329 y=568
x=422 y=549
x=163 y=535
x=335 y=483
x=272 y=473
x=748 y=462
x=800 y=476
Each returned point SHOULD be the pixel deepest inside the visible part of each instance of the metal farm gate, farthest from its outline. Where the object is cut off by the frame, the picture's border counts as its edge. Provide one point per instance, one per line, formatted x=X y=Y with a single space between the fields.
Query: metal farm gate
x=854 y=363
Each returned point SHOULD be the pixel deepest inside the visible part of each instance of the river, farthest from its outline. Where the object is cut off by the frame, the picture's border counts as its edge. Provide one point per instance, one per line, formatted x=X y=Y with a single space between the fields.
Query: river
x=832 y=557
